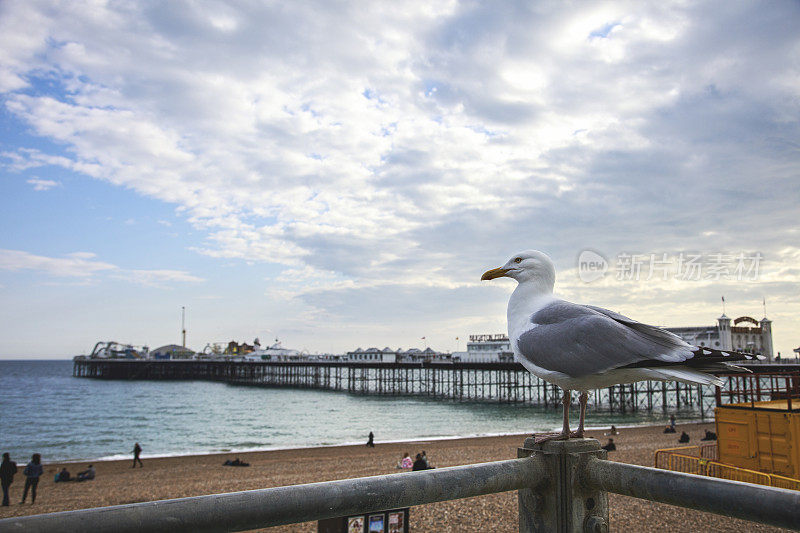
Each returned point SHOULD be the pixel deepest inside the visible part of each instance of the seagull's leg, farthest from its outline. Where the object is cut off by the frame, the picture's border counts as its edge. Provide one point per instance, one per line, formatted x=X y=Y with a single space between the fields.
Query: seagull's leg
x=566 y=400
x=565 y=434
x=583 y=399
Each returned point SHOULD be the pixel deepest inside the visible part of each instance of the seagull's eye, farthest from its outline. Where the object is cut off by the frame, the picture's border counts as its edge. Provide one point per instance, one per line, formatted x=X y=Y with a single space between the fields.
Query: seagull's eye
x=518 y=260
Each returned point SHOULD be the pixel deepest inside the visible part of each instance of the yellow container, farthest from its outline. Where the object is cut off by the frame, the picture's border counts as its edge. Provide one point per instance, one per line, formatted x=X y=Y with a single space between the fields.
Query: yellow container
x=762 y=436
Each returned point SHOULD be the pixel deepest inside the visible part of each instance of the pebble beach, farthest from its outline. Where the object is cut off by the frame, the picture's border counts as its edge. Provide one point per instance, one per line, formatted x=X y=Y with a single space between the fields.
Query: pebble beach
x=176 y=477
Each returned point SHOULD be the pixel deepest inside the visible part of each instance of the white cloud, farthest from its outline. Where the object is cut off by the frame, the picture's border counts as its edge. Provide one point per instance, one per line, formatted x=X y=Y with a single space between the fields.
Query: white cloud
x=158 y=278
x=78 y=264
x=86 y=266
x=43 y=185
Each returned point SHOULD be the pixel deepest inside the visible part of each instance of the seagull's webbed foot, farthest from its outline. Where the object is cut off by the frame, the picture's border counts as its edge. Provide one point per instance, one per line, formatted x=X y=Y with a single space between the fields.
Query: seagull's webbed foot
x=546 y=437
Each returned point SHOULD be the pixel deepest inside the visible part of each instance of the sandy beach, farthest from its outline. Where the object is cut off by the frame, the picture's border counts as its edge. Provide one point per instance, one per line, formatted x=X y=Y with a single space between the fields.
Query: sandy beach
x=175 y=477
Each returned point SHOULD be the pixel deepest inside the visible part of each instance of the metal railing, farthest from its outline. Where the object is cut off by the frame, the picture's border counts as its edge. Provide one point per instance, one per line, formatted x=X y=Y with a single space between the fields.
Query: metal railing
x=562 y=486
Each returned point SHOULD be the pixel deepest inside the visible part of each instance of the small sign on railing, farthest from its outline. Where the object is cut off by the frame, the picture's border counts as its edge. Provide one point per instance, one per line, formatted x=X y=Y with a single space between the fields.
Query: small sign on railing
x=394 y=521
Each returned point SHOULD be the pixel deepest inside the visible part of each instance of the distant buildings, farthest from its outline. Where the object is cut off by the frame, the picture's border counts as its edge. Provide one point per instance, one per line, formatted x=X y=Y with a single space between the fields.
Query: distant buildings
x=172 y=351
x=234 y=348
x=387 y=355
x=745 y=335
x=486 y=348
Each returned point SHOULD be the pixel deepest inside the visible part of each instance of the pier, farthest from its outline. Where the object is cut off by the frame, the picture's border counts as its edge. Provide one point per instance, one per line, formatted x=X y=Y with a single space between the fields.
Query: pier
x=457 y=381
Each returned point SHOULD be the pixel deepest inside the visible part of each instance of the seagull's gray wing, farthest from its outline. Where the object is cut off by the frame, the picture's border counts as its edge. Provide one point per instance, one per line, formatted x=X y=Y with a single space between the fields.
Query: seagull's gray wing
x=660 y=335
x=579 y=340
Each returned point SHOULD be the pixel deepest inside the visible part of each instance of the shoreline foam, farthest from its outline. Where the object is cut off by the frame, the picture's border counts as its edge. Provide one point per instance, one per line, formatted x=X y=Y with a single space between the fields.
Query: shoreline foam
x=424 y=438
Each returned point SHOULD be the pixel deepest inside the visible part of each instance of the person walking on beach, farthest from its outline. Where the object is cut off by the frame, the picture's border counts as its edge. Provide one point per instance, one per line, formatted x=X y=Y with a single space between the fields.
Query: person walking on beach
x=33 y=471
x=137 y=451
x=371 y=440
x=7 y=470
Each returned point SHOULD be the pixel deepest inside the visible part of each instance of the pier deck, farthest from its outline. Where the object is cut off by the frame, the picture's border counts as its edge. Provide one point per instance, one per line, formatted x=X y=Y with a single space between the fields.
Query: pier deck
x=459 y=381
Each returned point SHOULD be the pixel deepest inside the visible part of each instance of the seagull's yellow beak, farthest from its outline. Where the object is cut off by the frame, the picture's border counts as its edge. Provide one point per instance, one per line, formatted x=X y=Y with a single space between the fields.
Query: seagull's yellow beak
x=494 y=273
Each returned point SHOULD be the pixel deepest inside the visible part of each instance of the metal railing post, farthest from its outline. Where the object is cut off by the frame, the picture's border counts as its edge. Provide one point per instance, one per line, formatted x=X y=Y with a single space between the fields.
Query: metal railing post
x=561 y=503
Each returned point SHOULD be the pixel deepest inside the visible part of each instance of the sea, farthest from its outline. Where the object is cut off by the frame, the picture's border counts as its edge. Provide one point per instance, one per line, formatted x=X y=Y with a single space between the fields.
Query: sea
x=44 y=409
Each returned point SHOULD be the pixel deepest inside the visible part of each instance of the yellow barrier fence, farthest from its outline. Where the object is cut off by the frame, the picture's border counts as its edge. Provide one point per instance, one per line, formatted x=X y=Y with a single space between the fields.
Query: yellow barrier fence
x=662 y=456
x=784 y=482
x=687 y=464
x=709 y=451
x=700 y=460
x=723 y=471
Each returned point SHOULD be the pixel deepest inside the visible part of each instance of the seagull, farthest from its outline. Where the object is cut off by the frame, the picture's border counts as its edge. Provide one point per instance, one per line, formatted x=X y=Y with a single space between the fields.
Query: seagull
x=583 y=347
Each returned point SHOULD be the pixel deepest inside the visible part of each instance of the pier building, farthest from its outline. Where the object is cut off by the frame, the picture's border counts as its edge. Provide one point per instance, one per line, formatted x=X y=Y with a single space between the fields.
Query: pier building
x=743 y=334
x=486 y=348
x=172 y=351
x=746 y=334
x=387 y=355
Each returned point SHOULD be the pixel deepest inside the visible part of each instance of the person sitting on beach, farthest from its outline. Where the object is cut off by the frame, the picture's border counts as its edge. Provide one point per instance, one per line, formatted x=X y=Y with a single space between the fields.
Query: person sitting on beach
x=88 y=474
x=425 y=458
x=405 y=462
x=612 y=431
x=235 y=462
x=684 y=437
x=420 y=463
x=62 y=476
x=610 y=447
x=710 y=435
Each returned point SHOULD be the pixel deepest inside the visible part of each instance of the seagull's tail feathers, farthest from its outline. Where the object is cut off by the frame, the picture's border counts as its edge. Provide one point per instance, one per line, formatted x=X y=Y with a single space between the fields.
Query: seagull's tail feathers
x=701 y=359
x=719 y=361
x=685 y=375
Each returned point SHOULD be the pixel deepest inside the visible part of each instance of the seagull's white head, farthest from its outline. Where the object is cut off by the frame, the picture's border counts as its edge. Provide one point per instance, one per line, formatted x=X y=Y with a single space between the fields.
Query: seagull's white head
x=528 y=266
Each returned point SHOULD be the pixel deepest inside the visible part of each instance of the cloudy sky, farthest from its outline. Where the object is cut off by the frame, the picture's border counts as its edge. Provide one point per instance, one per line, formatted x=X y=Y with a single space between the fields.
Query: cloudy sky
x=339 y=174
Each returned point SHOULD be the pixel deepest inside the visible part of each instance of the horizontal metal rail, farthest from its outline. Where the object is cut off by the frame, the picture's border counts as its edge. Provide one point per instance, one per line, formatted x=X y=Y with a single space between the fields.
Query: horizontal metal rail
x=562 y=488
x=768 y=505
x=241 y=511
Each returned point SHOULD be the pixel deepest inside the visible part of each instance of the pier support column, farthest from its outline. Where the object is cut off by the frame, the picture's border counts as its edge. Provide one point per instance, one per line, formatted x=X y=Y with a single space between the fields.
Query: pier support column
x=562 y=503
